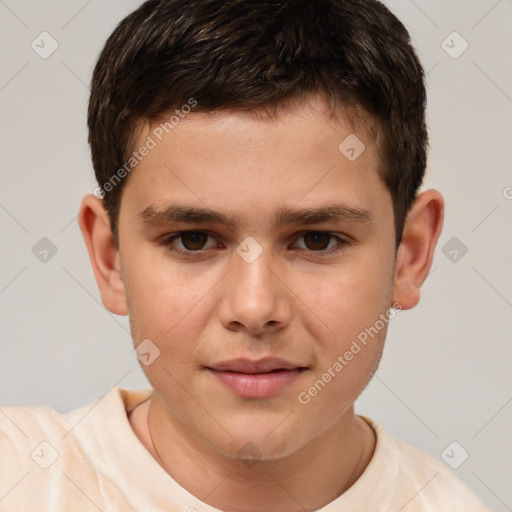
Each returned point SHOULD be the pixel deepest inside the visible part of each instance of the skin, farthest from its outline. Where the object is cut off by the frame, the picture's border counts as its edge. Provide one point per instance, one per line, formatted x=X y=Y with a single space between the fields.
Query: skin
x=291 y=302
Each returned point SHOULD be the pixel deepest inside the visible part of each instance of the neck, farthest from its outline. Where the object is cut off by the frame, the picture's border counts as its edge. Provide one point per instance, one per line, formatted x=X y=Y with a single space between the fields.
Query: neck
x=308 y=479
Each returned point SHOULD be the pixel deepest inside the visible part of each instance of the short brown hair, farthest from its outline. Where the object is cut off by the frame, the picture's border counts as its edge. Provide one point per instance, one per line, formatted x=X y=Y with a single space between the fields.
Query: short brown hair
x=257 y=55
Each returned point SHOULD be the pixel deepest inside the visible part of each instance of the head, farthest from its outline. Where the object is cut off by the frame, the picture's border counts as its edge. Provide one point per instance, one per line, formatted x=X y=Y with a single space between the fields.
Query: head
x=205 y=56
x=263 y=127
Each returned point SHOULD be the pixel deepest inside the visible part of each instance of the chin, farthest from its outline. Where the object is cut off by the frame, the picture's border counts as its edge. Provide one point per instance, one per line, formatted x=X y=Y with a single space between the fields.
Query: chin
x=260 y=442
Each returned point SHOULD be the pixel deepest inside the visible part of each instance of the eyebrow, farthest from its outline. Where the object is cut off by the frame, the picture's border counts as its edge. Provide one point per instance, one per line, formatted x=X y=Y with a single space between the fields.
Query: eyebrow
x=174 y=213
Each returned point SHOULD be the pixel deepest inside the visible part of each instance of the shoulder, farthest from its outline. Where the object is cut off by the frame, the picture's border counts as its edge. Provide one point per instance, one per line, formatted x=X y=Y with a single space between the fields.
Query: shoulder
x=53 y=455
x=33 y=443
x=22 y=429
x=423 y=483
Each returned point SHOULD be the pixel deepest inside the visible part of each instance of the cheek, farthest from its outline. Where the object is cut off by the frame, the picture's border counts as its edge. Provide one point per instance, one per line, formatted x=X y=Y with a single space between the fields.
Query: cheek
x=338 y=383
x=345 y=315
x=165 y=305
x=344 y=301
x=346 y=362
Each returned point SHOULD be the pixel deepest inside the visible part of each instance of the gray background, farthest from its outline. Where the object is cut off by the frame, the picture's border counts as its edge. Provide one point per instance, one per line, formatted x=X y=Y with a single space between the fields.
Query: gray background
x=446 y=372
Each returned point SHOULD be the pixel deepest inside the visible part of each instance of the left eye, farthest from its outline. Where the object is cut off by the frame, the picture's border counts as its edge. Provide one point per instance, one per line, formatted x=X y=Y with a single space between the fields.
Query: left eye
x=318 y=241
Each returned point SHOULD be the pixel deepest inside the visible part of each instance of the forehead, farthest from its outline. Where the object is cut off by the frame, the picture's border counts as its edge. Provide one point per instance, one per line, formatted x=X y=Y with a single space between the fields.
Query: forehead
x=312 y=107
x=247 y=162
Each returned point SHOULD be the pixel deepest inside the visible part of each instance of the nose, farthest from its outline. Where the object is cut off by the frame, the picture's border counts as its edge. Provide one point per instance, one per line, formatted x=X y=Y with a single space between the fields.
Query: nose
x=254 y=299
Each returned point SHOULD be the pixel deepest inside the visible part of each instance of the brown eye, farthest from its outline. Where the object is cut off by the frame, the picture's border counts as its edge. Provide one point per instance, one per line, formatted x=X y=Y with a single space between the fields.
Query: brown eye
x=189 y=243
x=317 y=241
x=193 y=241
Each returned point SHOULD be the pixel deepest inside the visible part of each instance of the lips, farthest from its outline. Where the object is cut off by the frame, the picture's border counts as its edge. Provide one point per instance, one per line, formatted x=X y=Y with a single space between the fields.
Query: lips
x=266 y=365
x=263 y=378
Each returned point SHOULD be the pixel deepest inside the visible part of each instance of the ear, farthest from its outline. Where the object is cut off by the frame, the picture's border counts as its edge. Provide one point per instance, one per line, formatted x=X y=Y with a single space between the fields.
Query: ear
x=94 y=222
x=416 y=251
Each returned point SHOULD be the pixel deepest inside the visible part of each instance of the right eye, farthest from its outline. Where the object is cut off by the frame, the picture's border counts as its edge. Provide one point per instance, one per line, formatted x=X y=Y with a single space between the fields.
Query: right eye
x=188 y=242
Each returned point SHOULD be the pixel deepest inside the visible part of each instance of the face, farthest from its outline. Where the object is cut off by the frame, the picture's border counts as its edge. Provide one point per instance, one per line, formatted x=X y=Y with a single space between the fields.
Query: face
x=254 y=255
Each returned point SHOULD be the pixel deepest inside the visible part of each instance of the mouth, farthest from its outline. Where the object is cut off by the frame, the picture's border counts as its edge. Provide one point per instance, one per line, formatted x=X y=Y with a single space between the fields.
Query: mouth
x=263 y=378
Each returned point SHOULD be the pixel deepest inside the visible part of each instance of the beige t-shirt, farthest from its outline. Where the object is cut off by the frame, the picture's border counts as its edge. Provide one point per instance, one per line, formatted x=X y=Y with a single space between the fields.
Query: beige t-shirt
x=90 y=459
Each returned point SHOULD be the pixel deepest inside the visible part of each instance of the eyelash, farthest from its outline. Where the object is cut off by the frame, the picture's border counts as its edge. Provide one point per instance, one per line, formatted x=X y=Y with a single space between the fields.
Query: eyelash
x=339 y=247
